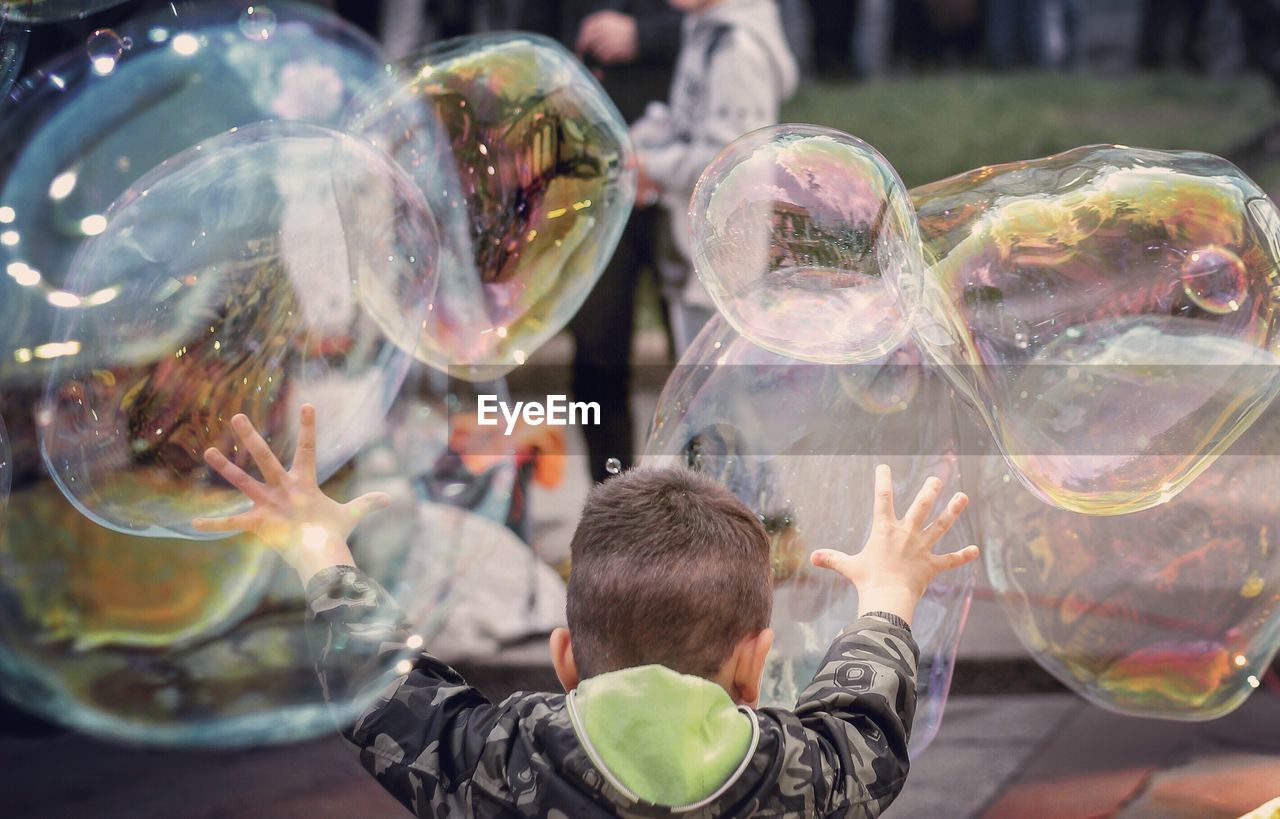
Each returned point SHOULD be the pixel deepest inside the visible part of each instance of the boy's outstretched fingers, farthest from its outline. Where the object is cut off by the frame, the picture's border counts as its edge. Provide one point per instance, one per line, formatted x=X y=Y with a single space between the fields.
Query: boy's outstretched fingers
x=259 y=450
x=235 y=523
x=368 y=504
x=934 y=531
x=954 y=560
x=829 y=559
x=234 y=475
x=304 y=459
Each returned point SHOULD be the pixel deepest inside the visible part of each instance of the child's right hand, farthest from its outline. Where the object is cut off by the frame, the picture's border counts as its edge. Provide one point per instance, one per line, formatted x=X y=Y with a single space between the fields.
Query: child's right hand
x=897 y=564
x=290 y=512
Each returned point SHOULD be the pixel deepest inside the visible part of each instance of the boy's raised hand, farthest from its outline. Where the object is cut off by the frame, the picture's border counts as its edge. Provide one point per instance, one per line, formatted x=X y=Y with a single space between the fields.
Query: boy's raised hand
x=897 y=564
x=290 y=513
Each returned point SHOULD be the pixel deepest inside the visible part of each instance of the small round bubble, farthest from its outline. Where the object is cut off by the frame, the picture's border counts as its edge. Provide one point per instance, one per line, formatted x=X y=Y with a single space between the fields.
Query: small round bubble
x=806 y=240
x=105 y=48
x=1216 y=280
x=258 y=22
x=613 y=466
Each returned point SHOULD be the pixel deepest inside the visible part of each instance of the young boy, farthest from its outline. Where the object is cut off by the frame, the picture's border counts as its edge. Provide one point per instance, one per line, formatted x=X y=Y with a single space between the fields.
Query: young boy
x=668 y=610
x=734 y=71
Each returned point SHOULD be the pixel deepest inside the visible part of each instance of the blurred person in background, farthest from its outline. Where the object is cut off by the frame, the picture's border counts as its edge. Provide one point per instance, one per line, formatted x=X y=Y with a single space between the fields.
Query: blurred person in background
x=734 y=71
x=833 y=25
x=1039 y=33
x=631 y=46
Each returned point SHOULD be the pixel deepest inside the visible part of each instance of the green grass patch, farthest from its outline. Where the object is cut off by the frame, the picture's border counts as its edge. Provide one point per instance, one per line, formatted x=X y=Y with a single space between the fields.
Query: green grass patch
x=933 y=126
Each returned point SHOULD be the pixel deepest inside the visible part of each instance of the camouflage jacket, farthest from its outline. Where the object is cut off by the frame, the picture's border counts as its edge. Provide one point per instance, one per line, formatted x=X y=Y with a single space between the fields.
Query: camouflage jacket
x=443 y=749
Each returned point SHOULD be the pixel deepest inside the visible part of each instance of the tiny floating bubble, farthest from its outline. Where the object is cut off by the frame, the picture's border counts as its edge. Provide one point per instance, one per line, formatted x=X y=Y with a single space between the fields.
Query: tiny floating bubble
x=613 y=466
x=258 y=23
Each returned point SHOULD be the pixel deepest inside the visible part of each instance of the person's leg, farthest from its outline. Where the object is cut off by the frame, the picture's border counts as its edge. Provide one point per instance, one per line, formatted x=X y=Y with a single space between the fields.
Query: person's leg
x=833 y=36
x=602 y=349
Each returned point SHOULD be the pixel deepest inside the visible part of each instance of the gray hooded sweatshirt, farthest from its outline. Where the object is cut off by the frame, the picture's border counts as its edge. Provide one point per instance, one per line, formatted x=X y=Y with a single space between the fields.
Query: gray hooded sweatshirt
x=734 y=71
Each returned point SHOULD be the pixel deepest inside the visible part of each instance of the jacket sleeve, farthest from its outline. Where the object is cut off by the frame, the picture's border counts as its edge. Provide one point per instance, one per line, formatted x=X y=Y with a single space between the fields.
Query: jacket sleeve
x=854 y=720
x=414 y=722
x=736 y=64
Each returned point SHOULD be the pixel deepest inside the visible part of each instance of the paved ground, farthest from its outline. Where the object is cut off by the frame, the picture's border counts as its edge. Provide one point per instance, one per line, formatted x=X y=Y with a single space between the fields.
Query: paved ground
x=1043 y=755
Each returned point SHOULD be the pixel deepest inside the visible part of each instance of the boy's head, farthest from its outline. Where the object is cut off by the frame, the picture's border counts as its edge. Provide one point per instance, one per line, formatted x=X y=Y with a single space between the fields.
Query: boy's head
x=669 y=568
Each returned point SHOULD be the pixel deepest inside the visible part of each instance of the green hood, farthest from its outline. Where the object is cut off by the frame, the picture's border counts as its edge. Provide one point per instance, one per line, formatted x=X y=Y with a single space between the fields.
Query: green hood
x=667 y=738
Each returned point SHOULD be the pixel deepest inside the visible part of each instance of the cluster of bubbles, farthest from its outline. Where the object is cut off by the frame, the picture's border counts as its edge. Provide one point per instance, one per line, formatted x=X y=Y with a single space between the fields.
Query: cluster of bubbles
x=201 y=213
x=1109 y=316
x=1110 y=311
x=232 y=208
x=797 y=442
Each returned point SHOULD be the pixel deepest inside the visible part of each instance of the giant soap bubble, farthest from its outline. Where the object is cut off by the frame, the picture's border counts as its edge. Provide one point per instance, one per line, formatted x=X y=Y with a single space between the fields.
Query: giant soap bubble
x=806 y=240
x=1170 y=612
x=82 y=129
x=13 y=45
x=798 y=443
x=237 y=277
x=190 y=643
x=1110 y=311
x=527 y=164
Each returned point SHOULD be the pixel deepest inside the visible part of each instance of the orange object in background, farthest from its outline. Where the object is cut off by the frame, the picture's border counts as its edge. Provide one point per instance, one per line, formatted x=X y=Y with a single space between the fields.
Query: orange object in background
x=541 y=446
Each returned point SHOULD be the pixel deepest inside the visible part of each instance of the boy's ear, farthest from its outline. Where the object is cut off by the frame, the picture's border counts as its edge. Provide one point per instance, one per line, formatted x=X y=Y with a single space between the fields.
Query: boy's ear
x=562 y=659
x=750 y=656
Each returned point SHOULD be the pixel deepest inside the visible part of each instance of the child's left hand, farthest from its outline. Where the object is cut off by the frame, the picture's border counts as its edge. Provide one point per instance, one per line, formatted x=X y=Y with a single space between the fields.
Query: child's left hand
x=290 y=513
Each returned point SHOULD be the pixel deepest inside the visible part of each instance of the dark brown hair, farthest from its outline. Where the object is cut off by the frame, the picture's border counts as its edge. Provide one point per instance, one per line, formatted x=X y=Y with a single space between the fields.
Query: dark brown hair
x=668 y=567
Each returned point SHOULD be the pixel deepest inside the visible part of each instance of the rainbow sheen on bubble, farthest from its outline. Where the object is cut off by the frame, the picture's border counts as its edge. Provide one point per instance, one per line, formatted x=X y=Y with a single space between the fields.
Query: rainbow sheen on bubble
x=1170 y=612
x=526 y=163
x=798 y=443
x=54 y=11
x=82 y=129
x=13 y=46
x=239 y=276
x=189 y=643
x=1110 y=311
x=806 y=240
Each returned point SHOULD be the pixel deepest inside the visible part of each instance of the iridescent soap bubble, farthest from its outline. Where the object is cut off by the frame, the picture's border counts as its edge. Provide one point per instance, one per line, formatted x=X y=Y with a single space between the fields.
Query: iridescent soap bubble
x=13 y=45
x=81 y=130
x=527 y=165
x=190 y=643
x=1170 y=612
x=795 y=441
x=53 y=11
x=805 y=239
x=239 y=276
x=104 y=49
x=258 y=22
x=1110 y=311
